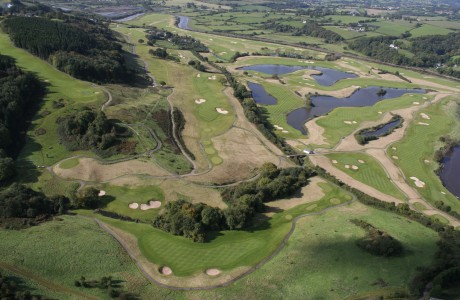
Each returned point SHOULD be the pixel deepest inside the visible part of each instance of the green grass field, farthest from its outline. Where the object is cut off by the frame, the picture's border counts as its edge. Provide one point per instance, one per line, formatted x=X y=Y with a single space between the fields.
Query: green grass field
x=370 y=172
x=69 y=163
x=419 y=145
x=230 y=249
x=428 y=29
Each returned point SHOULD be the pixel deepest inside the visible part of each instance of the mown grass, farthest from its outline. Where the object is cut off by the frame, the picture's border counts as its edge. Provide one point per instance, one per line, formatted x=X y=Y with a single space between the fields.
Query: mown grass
x=419 y=144
x=229 y=249
x=370 y=172
x=428 y=29
x=69 y=163
x=322 y=261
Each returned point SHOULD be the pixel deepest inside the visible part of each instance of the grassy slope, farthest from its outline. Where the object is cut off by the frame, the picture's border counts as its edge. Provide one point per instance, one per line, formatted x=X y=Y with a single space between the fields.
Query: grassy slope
x=370 y=173
x=230 y=249
x=419 y=145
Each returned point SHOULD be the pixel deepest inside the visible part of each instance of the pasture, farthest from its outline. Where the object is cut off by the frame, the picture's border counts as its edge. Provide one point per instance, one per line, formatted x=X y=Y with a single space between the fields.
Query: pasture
x=369 y=172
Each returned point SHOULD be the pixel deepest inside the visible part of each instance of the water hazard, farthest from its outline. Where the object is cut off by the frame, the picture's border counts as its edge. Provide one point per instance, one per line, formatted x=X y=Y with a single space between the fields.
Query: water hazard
x=322 y=105
x=183 y=23
x=260 y=95
x=450 y=173
x=327 y=77
x=384 y=129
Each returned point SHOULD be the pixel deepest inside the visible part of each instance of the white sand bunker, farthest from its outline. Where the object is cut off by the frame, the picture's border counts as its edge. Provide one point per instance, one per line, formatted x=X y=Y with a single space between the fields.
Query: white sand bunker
x=425 y=98
x=361 y=161
x=348 y=122
x=380 y=112
x=222 y=111
x=213 y=77
x=443 y=193
x=426 y=161
x=213 y=272
x=425 y=116
x=347 y=166
x=354 y=167
x=354 y=122
x=200 y=101
x=418 y=182
x=152 y=204
x=395 y=157
x=198 y=75
x=101 y=193
x=424 y=124
x=416 y=103
x=166 y=270
x=334 y=161
x=133 y=205
x=285 y=131
x=394 y=148
x=278 y=127
x=309 y=62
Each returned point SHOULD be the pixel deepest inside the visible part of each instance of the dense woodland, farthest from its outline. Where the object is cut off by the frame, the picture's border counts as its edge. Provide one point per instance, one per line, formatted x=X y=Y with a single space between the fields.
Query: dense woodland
x=310 y=28
x=11 y=288
x=183 y=42
x=20 y=95
x=79 y=47
x=88 y=130
x=196 y=221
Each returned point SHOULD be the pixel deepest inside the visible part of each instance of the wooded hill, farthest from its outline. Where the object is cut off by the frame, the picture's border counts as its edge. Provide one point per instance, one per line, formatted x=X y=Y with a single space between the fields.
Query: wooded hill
x=84 y=49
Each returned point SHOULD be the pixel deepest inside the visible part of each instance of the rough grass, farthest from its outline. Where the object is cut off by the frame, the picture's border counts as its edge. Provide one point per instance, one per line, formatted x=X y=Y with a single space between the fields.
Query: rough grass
x=322 y=260
x=69 y=163
x=229 y=249
x=428 y=29
x=370 y=173
x=419 y=145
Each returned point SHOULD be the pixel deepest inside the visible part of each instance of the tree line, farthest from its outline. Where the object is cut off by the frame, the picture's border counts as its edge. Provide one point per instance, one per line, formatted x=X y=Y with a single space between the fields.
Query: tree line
x=83 y=49
x=310 y=28
x=12 y=289
x=20 y=94
x=196 y=221
x=183 y=42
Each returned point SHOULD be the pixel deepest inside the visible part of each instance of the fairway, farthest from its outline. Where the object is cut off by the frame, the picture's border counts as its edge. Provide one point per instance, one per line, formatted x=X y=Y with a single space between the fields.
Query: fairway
x=369 y=172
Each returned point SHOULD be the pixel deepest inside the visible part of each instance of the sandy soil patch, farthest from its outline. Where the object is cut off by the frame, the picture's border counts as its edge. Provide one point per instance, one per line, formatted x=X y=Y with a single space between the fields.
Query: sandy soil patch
x=151 y=205
x=90 y=169
x=418 y=182
x=315 y=133
x=354 y=167
x=425 y=116
x=390 y=77
x=213 y=272
x=101 y=193
x=343 y=93
x=133 y=205
x=423 y=124
x=200 y=101
x=165 y=270
x=309 y=72
x=309 y=193
x=222 y=111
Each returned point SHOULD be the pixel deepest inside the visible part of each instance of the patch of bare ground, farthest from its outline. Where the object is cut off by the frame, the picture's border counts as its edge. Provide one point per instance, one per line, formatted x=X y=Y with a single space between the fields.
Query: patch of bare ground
x=326 y=164
x=309 y=193
x=90 y=169
x=432 y=84
x=153 y=272
x=343 y=93
x=315 y=133
x=241 y=152
x=356 y=70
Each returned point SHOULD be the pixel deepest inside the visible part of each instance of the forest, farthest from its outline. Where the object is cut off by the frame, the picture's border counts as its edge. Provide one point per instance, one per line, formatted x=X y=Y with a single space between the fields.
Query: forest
x=196 y=221
x=310 y=28
x=183 y=42
x=11 y=288
x=79 y=48
x=20 y=95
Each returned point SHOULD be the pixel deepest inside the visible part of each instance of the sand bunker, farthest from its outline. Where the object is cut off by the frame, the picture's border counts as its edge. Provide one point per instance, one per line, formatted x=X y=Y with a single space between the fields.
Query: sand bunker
x=418 y=182
x=394 y=148
x=425 y=98
x=309 y=62
x=150 y=205
x=395 y=157
x=347 y=166
x=424 y=124
x=133 y=205
x=380 y=112
x=166 y=270
x=213 y=272
x=426 y=161
x=416 y=103
x=334 y=161
x=278 y=127
x=285 y=131
x=222 y=111
x=101 y=193
x=361 y=161
x=348 y=122
x=354 y=122
x=354 y=167
x=443 y=193
x=213 y=77
x=198 y=75
x=425 y=116
x=200 y=101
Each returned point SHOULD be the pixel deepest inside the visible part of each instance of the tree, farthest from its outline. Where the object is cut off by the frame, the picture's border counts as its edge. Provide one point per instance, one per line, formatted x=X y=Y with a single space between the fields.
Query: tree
x=88 y=198
x=7 y=169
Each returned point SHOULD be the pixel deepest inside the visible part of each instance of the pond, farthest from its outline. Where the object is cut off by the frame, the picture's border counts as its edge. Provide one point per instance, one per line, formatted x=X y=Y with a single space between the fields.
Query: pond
x=322 y=105
x=327 y=77
x=260 y=95
x=388 y=127
x=183 y=23
x=450 y=172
